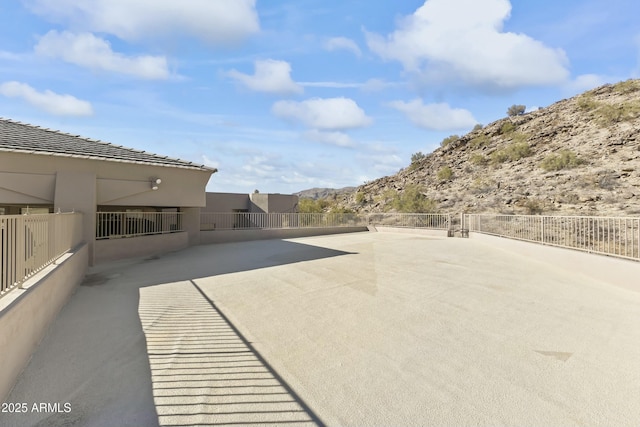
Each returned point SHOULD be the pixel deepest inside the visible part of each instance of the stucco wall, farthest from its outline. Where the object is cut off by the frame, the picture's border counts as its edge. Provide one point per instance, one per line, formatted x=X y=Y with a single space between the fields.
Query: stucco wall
x=255 y=202
x=30 y=188
x=132 y=247
x=25 y=314
x=259 y=203
x=227 y=236
x=30 y=178
x=225 y=202
x=615 y=271
x=273 y=203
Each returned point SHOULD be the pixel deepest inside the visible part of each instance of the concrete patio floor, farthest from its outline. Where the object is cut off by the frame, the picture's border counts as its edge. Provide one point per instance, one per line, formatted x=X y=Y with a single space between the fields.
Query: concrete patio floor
x=354 y=329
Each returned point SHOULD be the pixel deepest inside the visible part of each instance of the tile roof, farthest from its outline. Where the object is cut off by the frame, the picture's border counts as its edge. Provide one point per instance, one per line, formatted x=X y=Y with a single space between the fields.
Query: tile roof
x=25 y=138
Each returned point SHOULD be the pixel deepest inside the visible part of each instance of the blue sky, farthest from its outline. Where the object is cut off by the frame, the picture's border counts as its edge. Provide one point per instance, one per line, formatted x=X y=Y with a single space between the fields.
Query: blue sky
x=282 y=96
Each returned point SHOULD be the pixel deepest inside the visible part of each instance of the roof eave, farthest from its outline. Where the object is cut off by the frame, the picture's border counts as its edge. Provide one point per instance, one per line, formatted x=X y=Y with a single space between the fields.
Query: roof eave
x=108 y=159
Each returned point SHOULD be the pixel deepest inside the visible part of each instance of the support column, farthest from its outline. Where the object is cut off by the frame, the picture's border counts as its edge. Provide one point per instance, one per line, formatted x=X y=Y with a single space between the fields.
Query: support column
x=76 y=191
x=191 y=224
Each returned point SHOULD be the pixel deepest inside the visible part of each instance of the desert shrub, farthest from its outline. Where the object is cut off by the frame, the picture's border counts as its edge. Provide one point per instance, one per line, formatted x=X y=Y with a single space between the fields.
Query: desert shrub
x=448 y=140
x=341 y=210
x=587 y=103
x=445 y=173
x=608 y=114
x=516 y=110
x=507 y=128
x=534 y=206
x=512 y=152
x=564 y=159
x=477 y=127
x=627 y=86
x=518 y=150
x=498 y=156
x=416 y=157
x=387 y=196
x=359 y=197
x=480 y=141
x=519 y=137
x=411 y=200
x=478 y=159
x=312 y=206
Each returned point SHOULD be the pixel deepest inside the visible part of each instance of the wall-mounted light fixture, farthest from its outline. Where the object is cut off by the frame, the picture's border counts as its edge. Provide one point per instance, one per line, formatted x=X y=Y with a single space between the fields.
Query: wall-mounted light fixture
x=155 y=182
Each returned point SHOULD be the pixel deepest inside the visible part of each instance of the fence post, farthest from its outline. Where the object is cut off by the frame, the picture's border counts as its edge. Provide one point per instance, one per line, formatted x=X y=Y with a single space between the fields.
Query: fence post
x=21 y=234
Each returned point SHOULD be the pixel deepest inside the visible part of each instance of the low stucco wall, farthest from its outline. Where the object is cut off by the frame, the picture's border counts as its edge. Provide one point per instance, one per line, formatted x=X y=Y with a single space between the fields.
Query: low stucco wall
x=25 y=314
x=133 y=247
x=228 y=236
x=425 y=232
x=615 y=271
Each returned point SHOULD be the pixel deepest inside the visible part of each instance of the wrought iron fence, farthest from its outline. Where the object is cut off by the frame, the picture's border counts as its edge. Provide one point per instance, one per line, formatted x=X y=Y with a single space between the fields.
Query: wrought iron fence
x=618 y=237
x=28 y=243
x=409 y=220
x=130 y=224
x=248 y=220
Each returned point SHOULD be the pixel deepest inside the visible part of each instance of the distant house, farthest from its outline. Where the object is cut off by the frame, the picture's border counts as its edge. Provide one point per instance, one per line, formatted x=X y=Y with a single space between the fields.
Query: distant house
x=253 y=203
x=43 y=170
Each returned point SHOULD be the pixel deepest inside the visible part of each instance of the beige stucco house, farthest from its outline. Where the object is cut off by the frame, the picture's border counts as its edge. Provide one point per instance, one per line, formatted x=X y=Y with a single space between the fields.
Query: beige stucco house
x=46 y=170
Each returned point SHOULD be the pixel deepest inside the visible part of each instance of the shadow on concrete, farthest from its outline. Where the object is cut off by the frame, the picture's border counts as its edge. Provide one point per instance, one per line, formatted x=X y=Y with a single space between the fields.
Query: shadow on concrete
x=140 y=344
x=213 y=260
x=204 y=371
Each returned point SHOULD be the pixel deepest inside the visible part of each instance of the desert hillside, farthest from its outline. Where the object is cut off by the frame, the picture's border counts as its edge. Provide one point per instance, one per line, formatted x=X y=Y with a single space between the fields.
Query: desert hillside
x=579 y=156
x=324 y=193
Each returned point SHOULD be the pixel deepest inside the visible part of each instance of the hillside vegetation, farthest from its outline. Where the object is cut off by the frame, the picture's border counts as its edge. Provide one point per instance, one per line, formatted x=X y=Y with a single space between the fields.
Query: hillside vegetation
x=579 y=156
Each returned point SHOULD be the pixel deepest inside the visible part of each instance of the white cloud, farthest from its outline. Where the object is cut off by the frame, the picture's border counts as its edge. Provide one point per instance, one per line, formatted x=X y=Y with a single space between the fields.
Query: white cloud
x=323 y=113
x=371 y=85
x=376 y=85
x=90 y=51
x=270 y=76
x=463 y=40
x=585 y=82
x=261 y=166
x=438 y=116
x=342 y=43
x=381 y=164
x=332 y=85
x=10 y=56
x=296 y=177
x=213 y=21
x=51 y=102
x=339 y=139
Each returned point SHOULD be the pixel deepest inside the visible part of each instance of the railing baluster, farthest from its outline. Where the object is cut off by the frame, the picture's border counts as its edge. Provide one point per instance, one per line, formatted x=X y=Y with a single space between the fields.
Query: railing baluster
x=130 y=224
x=28 y=243
x=602 y=235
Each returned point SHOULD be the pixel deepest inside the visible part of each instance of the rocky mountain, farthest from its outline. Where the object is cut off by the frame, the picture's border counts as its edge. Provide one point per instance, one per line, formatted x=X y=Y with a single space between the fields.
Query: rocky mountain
x=324 y=193
x=579 y=156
